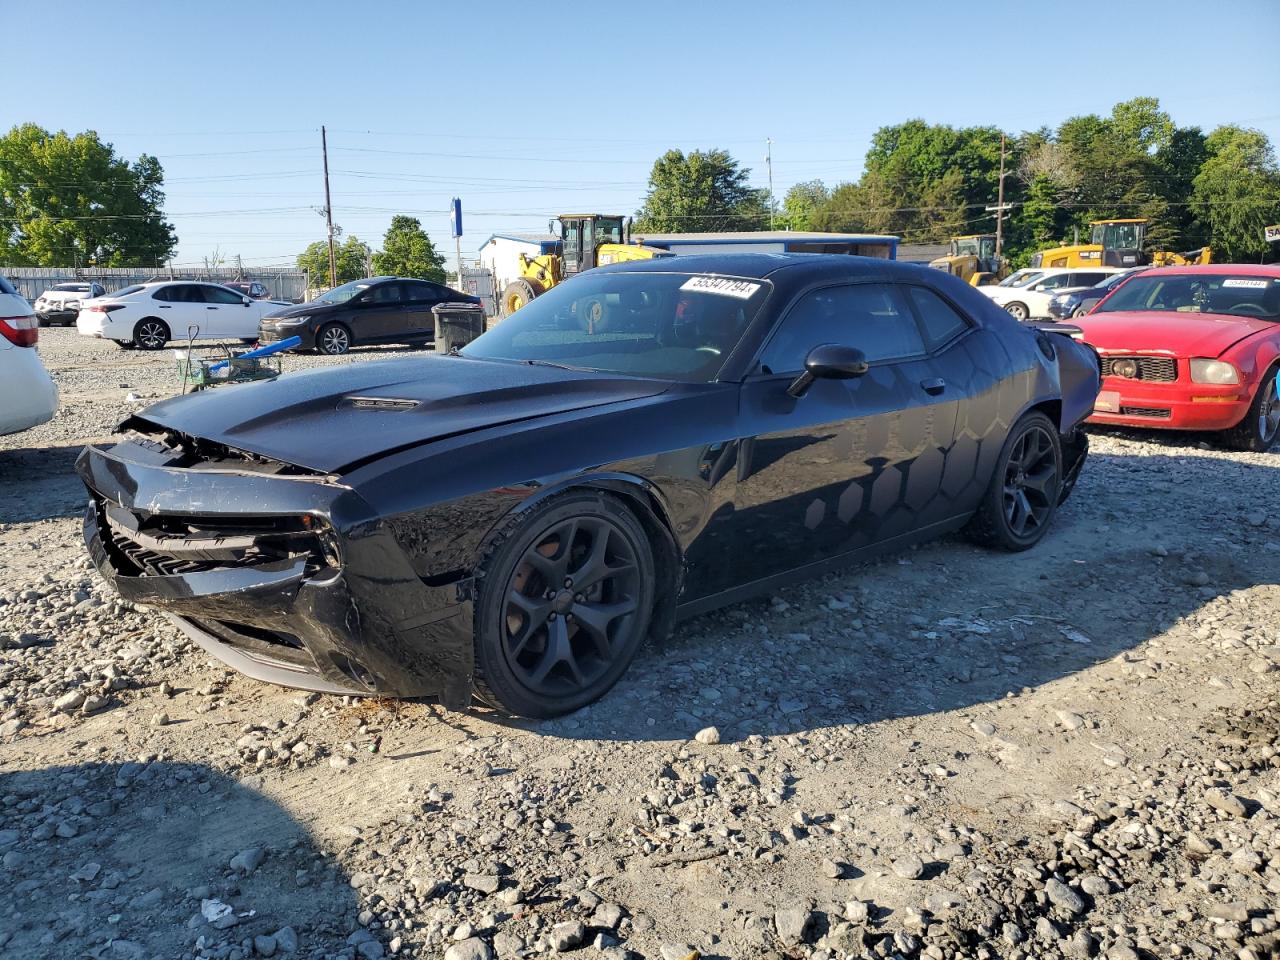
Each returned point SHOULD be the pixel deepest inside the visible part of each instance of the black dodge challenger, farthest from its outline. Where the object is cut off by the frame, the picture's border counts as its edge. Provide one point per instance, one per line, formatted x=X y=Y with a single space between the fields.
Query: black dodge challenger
x=642 y=443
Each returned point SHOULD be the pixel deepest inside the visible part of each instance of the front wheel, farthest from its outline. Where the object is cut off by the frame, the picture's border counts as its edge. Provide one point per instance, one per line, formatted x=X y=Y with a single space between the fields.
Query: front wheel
x=151 y=334
x=1016 y=310
x=1025 y=488
x=517 y=293
x=565 y=601
x=333 y=339
x=1257 y=431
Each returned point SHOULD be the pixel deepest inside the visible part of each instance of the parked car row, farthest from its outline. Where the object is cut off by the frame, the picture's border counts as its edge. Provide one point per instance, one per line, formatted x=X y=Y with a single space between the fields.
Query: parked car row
x=1028 y=294
x=379 y=310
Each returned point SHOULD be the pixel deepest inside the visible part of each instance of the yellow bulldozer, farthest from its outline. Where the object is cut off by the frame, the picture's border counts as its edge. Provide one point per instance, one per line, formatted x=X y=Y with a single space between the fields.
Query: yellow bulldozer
x=1117 y=243
x=586 y=240
x=973 y=259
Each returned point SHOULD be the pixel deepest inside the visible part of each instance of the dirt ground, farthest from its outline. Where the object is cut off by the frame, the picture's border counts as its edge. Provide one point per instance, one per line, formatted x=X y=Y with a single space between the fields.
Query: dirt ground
x=947 y=753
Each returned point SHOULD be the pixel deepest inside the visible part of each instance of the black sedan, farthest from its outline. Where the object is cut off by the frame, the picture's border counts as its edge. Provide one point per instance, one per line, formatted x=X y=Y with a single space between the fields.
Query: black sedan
x=642 y=443
x=376 y=310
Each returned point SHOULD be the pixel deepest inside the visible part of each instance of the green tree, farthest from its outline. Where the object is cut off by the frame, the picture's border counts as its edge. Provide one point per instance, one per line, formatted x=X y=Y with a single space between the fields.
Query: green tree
x=351 y=256
x=701 y=192
x=407 y=251
x=68 y=200
x=801 y=202
x=1237 y=192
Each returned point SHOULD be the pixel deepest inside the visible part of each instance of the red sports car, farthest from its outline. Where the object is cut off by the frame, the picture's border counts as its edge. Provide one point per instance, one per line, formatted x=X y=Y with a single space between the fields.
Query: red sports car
x=1192 y=348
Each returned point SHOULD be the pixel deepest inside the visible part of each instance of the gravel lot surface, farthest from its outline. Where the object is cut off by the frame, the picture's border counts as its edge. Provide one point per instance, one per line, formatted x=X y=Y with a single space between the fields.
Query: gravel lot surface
x=948 y=753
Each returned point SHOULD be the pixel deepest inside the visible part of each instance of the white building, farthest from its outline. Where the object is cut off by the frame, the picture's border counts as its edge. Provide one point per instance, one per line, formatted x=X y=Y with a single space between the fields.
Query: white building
x=500 y=254
x=773 y=241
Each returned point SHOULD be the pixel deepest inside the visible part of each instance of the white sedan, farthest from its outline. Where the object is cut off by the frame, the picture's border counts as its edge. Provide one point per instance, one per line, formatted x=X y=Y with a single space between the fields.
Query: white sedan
x=28 y=397
x=1026 y=294
x=150 y=315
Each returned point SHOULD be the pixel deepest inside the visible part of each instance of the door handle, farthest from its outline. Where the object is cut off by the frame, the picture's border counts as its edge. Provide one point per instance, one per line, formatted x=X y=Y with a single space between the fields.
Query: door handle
x=211 y=308
x=164 y=306
x=933 y=386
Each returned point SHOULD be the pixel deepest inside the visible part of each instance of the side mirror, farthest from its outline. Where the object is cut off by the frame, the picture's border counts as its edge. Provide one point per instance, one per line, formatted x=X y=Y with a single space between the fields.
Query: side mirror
x=829 y=361
x=246 y=301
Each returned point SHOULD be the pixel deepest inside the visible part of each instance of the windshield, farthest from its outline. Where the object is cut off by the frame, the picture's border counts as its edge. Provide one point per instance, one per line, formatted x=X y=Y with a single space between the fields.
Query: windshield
x=964 y=247
x=72 y=287
x=343 y=293
x=1220 y=293
x=672 y=326
x=1020 y=278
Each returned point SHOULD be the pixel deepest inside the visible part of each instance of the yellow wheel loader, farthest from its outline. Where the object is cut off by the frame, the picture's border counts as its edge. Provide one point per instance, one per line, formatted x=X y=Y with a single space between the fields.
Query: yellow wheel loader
x=973 y=259
x=1117 y=243
x=587 y=240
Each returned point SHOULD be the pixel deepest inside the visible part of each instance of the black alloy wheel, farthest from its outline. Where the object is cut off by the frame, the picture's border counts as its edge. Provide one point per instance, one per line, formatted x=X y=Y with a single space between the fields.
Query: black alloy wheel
x=151 y=334
x=566 y=602
x=1025 y=489
x=333 y=339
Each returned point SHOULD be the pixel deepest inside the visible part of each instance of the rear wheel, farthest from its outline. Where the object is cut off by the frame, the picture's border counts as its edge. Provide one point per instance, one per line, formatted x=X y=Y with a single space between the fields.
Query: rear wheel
x=1258 y=430
x=517 y=294
x=151 y=334
x=333 y=339
x=565 y=601
x=1025 y=488
x=1016 y=310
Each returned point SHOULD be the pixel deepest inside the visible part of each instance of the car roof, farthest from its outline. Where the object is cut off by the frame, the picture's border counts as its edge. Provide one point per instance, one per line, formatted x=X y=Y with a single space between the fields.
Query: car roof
x=1239 y=269
x=762 y=266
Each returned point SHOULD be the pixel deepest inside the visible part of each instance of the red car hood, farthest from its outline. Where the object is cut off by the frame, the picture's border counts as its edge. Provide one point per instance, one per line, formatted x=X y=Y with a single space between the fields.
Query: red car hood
x=1177 y=334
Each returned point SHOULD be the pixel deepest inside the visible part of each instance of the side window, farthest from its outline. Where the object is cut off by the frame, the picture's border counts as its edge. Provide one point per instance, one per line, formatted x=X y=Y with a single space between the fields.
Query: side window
x=221 y=295
x=422 y=292
x=939 y=319
x=385 y=293
x=1056 y=281
x=168 y=294
x=869 y=316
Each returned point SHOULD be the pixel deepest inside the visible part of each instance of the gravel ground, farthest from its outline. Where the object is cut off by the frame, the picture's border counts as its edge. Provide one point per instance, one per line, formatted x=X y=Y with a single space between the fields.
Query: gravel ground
x=948 y=753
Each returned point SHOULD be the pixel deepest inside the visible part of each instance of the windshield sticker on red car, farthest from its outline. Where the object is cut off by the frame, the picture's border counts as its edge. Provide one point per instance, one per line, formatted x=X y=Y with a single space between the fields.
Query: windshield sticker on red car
x=1247 y=284
x=724 y=286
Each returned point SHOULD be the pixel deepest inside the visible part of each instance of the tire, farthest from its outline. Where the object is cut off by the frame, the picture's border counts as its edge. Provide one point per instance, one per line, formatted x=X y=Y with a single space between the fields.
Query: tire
x=1078 y=312
x=333 y=339
x=1016 y=310
x=517 y=293
x=1257 y=431
x=534 y=654
x=150 y=334
x=1025 y=490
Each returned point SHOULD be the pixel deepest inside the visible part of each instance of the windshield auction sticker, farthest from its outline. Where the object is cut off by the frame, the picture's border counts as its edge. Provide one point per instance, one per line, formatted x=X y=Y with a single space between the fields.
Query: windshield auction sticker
x=1247 y=284
x=724 y=286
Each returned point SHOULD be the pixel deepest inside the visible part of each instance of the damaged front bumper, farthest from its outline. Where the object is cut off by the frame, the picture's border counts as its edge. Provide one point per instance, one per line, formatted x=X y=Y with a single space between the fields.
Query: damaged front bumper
x=289 y=579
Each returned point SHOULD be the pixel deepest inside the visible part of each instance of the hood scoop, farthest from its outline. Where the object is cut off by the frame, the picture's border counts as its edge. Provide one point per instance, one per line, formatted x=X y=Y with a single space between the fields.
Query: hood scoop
x=380 y=403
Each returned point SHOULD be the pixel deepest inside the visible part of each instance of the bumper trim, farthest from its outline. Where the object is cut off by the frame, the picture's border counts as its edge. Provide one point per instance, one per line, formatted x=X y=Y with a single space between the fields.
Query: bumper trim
x=278 y=672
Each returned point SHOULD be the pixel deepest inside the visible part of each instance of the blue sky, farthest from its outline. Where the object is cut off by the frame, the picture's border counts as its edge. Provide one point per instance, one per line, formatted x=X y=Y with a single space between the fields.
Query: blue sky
x=429 y=100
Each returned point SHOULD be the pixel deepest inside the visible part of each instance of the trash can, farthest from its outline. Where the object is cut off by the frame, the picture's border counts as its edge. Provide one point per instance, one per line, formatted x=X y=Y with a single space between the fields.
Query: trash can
x=457 y=324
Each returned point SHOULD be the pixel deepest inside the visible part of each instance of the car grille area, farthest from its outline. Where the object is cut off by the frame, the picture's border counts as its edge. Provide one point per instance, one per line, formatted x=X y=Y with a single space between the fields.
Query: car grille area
x=142 y=545
x=1155 y=413
x=1149 y=369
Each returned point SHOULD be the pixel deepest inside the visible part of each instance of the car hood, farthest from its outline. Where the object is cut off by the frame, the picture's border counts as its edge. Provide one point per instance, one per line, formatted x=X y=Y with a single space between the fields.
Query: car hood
x=337 y=417
x=1179 y=334
x=298 y=309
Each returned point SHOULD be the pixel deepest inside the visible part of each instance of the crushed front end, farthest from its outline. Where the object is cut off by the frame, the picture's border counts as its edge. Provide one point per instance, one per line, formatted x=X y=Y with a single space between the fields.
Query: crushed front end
x=286 y=575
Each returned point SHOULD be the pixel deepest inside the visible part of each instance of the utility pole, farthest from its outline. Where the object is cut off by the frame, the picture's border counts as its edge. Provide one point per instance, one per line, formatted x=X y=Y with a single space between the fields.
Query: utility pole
x=768 y=162
x=1000 y=199
x=328 y=209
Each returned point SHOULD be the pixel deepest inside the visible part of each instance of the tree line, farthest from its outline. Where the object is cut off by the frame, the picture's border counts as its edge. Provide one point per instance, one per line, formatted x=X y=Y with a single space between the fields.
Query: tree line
x=406 y=251
x=927 y=182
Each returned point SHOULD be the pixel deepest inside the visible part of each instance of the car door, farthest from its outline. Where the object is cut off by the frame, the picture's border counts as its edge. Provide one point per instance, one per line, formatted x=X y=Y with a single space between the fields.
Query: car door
x=851 y=462
x=419 y=323
x=377 y=316
x=181 y=306
x=233 y=318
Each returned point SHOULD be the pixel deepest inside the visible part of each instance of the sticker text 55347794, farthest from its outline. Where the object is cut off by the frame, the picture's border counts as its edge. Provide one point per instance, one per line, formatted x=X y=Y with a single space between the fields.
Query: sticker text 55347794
x=724 y=286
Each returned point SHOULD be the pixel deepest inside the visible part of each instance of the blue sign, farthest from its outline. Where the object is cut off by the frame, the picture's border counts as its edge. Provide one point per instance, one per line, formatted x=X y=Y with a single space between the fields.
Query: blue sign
x=455 y=217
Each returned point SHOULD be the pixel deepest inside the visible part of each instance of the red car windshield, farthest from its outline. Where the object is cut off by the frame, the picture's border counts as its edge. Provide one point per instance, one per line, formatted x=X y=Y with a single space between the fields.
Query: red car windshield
x=1255 y=297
